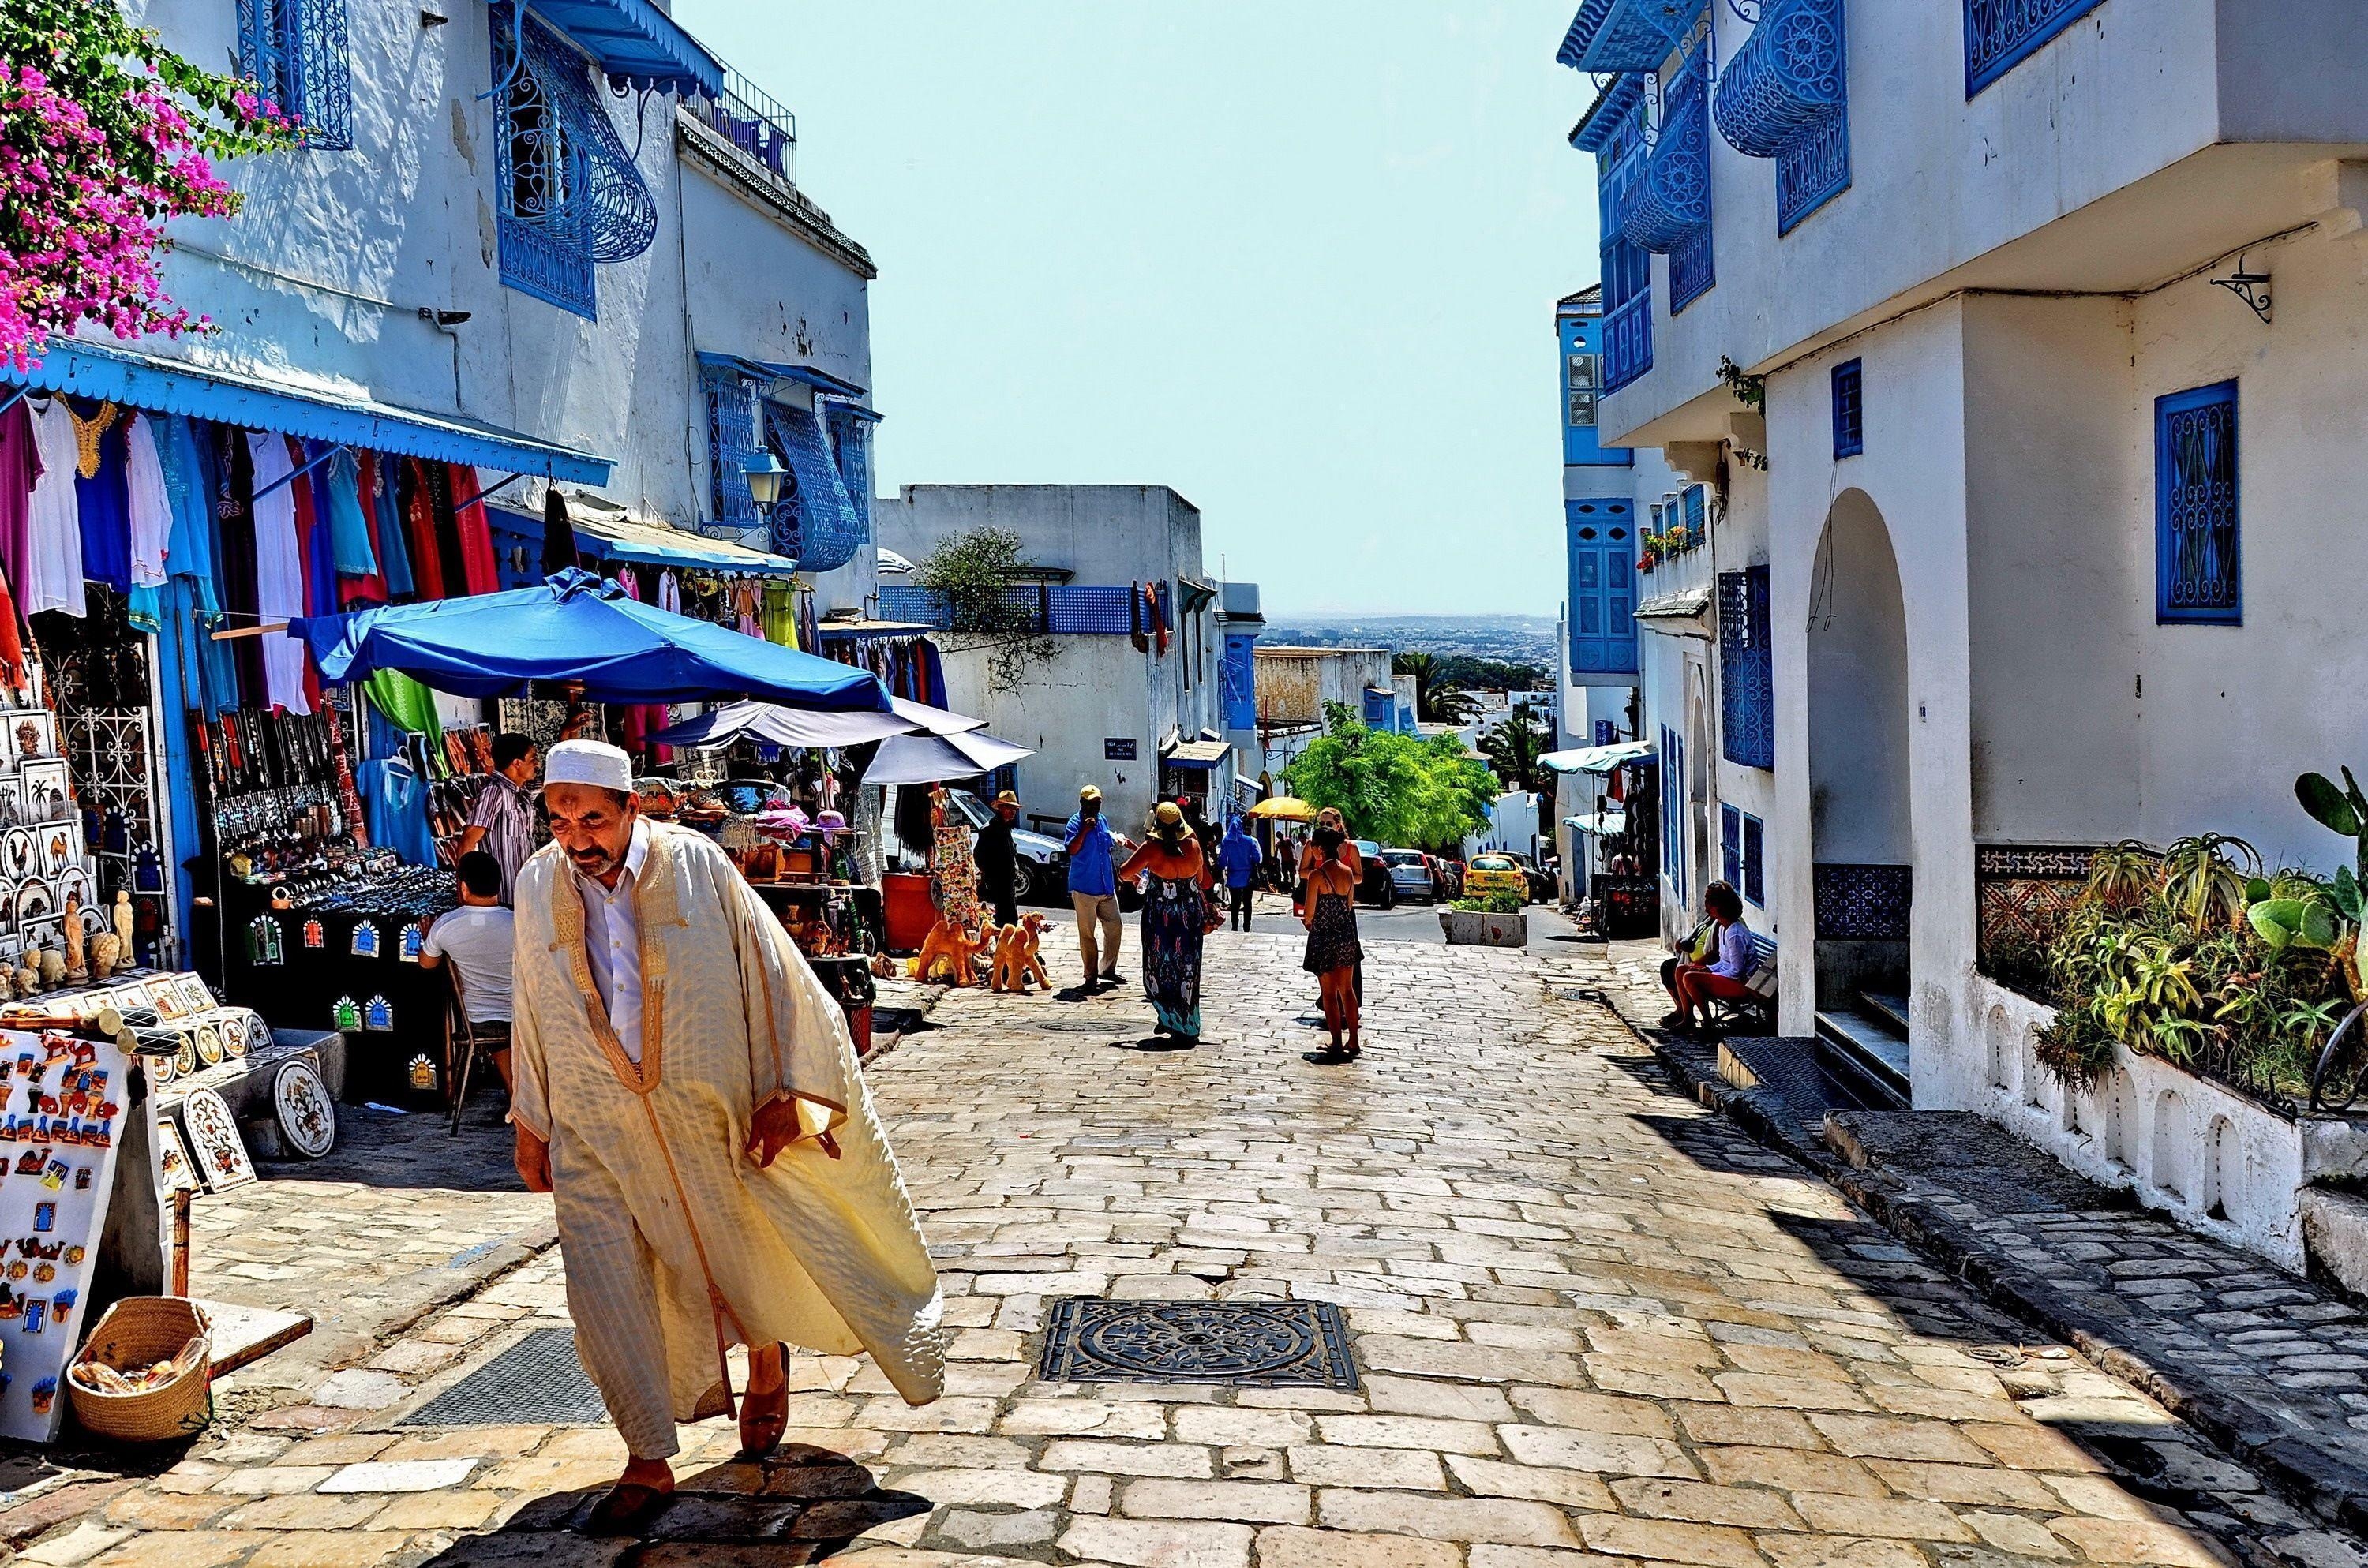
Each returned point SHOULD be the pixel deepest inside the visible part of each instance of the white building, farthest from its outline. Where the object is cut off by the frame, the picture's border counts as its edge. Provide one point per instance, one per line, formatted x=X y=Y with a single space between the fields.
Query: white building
x=1297 y=686
x=2038 y=532
x=1130 y=692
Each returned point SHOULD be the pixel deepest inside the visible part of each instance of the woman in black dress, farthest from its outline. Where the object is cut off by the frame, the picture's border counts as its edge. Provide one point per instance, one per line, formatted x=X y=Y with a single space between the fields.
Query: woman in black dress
x=1330 y=870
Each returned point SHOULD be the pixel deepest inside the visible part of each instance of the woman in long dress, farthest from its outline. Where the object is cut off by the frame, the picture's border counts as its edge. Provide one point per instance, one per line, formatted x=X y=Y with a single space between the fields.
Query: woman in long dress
x=1174 y=918
x=1330 y=870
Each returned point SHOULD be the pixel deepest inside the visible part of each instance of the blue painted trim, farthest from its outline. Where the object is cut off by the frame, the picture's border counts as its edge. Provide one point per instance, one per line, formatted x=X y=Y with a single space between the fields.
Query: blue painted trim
x=2227 y=584
x=1607 y=117
x=2031 y=24
x=113 y=375
x=1625 y=35
x=1812 y=172
x=1754 y=887
x=767 y=370
x=635 y=44
x=1850 y=409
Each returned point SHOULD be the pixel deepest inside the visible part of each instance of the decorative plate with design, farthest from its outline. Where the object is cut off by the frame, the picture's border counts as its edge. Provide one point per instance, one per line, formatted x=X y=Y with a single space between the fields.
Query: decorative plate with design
x=209 y=1045
x=235 y=1033
x=308 y=1122
x=213 y=1140
x=185 y=1061
x=175 y=1173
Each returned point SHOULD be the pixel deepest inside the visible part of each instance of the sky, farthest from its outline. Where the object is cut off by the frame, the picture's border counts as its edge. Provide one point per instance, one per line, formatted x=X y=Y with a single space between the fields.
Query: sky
x=1297 y=259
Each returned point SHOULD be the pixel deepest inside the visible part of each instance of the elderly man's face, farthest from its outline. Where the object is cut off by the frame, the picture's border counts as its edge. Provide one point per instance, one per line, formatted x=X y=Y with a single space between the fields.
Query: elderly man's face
x=594 y=826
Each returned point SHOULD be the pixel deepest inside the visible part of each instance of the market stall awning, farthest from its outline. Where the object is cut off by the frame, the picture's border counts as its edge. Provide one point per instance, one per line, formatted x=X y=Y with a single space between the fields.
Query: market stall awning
x=1597 y=760
x=1602 y=825
x=578 y=628
x=646 y=543
x=284 y=402
x=931 y=759
x=776 y=725
x=1199 y=754
x=634 y=42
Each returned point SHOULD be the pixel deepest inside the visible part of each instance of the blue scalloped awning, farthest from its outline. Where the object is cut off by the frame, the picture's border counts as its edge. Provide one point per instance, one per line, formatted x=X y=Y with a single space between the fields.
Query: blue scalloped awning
x=1610 y=113
x=769 y=370
x=1625 y=35
x=634 y=42
x=249 y=401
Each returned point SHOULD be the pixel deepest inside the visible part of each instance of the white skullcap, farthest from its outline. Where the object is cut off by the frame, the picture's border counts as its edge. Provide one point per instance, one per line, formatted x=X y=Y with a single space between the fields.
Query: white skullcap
x=589 y=762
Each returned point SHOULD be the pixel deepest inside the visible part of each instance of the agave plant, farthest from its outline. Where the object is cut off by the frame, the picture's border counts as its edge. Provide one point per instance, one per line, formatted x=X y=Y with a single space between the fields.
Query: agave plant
x=2204 y=880
x=2121 y=875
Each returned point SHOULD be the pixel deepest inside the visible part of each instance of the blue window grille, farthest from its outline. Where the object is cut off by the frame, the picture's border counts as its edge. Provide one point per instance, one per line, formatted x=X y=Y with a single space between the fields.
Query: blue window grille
x=1753 y=885
x=1747 y=669
x=1730 y=846
x=2002 y=34
x=1786 y=96
x=1668 y=206
x=569 y=193
x=1673 y=811
x=813 y=523
x=851 y=446
x=732 y=442
x=296 y=52
x=2195 y=507
x=1615 y=134
x=1850 y=409
x=1239 y=674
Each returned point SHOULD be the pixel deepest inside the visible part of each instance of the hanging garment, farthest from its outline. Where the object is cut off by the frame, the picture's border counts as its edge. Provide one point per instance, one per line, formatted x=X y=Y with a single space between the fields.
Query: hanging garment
x=20 y=470
x=188 y=549
x=808 y=625
x=669 y=592
x=407 y=705
x=313 y=551
x=278 y=571
x=51 y=578
x=369 y=587
x=395 y=799
x=151 y=501
x=339 y=483
x=558 y=532
x=436 y=483
x=234 y=548
x=481 y=569
x=386 y=519
x=103 y=508
x=88 y=435
x=629 y=581
x=747 y=606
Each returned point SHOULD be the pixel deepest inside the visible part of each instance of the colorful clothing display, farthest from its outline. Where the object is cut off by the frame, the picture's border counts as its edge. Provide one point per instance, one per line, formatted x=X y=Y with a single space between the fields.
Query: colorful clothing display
x=278 y=571
x=954 y=876
x=151 y=531
x=479 y=571
x=350 y=549
x=51 y=573
x=102 y=501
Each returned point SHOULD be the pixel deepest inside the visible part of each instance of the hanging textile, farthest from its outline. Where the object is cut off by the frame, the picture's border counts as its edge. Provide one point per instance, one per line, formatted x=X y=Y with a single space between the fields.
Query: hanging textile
x=419 y=527
x=394 y=801
x=809 y=626
x=631 y=581
x=386 y=520
x=407 y=705
x=437 y=481
x=313 y=551
x=480 y=568
x=206 y=452
x=188 y=549
x=558 y=532
x=103 y=502
x=50 y=577
x=278 y=571
x=151 y=519
x=235 y=479
x=357 y=589
x=339 y=482
x=20 y=470
x=780 y=613
x=669 y=592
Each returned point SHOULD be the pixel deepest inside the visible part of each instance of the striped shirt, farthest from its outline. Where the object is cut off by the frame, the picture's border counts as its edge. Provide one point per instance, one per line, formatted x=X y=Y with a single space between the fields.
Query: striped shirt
x=502 y=811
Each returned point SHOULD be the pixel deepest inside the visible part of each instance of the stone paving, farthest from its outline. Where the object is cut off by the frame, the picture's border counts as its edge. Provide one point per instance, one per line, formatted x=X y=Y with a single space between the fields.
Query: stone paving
x=1596 y=1325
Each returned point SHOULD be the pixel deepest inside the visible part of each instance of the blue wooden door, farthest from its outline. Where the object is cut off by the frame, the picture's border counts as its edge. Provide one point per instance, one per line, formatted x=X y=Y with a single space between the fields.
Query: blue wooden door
x=1602 y=588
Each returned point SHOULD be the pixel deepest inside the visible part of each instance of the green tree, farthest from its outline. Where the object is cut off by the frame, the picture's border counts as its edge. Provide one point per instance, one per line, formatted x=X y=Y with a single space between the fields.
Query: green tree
x=1514 y=746
x=1435 y=701
x=979 y=578
x=1400 y=789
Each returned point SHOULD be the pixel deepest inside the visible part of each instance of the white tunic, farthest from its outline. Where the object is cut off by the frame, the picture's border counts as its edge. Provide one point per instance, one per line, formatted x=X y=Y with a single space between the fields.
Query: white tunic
x=278 y=570
x=53 y=519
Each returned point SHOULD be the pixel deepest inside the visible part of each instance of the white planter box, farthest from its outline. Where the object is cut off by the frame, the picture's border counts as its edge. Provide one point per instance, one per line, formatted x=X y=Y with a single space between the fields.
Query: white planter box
x=1470 y=928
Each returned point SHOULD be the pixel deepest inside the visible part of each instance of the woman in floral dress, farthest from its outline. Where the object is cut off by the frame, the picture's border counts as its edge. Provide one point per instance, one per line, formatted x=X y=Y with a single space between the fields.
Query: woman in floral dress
x=1175 y=917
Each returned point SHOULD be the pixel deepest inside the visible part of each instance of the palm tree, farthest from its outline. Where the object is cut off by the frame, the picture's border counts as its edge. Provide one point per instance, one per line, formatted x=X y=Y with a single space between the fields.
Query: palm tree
x=1513 y=748
x=1433 y=703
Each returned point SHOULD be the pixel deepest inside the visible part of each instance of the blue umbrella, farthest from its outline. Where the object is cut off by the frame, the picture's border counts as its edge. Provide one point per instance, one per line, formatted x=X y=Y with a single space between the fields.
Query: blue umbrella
x=577 y=627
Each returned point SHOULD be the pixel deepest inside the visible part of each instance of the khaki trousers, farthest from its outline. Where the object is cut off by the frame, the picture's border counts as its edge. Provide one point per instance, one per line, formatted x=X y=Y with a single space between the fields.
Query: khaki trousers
x=1093 y=908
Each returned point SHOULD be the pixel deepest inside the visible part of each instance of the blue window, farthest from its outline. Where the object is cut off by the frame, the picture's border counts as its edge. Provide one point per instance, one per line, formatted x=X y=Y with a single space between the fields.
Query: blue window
x=732 y=442
x=1602 y=547
x=1582 y=387
x=2002 y=34
x=296 y=51
x=1239 y=683
x=1753 y=885
x=1671 y=209
x=569 y=193
x=1614 y=132
x=1673 y=811
x=814 y=522
x=1786 y=96
x=850 y=448
x=1850 y=409
x=1746 y=671
x=1730 y=846
x=2196 y=540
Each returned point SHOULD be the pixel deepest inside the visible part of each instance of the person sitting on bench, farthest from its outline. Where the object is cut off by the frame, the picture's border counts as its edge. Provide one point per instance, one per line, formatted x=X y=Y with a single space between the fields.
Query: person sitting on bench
x=1696 y=985
x=477 y=939
x=1696 y=947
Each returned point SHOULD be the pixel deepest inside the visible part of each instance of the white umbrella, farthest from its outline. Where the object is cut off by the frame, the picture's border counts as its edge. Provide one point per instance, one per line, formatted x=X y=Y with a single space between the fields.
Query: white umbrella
x=931 y=759
x=801 y=727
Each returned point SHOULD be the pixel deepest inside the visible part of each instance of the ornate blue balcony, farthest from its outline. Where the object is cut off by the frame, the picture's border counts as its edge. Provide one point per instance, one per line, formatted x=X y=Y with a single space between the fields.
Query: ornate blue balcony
x=1787 y=80
x=1626 y=35
x=1670 y=206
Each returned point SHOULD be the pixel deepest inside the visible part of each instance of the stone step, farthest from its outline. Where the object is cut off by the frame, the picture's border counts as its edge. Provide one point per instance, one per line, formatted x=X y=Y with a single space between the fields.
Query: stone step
x=1885 y=1007
x=1866 y=1044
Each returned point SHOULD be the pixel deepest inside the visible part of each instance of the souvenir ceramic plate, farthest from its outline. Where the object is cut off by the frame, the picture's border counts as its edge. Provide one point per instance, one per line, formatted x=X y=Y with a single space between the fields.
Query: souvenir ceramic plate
x=35 y=899
x=162 y=1070
x=164 y=996
x=18 y=857
x=57 y=854
x=213 y=1140
x=209 y=1045
x=232 y=1029
x=308 y=1122
x=174 y=1171
x=185 y=1062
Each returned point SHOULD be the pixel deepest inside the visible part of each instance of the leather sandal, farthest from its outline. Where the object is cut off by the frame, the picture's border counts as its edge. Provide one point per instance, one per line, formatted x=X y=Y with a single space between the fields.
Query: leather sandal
x=764 y=1417
x=626 y=1507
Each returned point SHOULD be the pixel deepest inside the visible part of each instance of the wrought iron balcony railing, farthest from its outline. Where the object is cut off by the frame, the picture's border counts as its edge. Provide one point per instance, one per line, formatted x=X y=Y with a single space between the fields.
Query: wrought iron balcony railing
x=1786 y=81
x=752 y=120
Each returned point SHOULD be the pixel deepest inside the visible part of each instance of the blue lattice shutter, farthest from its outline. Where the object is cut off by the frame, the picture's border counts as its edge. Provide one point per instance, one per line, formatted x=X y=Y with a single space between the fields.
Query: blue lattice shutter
x=850 y=448
x=1747 y=674
x=2197 y=547
x=296 y=52
x=731 y=443
x=1730 y=844
x=1755 y=870
x=815 y=523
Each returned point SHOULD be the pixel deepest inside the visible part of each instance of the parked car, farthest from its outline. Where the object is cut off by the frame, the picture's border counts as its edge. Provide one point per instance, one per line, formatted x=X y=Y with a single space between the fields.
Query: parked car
x=1542 y=886
x=1488 y=875
x=1449 y=874
x=1041 y=874
x=1375 y=886
x=1411 y=875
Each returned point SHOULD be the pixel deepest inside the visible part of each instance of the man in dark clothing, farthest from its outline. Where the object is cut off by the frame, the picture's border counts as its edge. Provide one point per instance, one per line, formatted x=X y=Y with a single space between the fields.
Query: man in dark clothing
x=998 y=861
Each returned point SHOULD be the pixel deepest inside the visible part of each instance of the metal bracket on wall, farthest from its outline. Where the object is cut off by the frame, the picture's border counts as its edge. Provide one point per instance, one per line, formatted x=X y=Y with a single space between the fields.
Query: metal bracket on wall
x=2249 y=285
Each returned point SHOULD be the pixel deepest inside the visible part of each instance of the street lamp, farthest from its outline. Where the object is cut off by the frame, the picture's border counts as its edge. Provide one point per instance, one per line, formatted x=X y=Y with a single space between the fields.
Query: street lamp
x=765 y=475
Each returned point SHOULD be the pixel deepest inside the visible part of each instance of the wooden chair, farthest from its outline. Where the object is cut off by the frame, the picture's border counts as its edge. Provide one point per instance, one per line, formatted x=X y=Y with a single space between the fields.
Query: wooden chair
x=462 y=1045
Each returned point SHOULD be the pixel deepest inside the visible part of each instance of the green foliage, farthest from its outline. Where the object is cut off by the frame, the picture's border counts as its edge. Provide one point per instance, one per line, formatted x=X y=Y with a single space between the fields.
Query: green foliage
x=1514 y=746
x=1491 y=903
x=2343 y=811
x=1469 y=672
x=1749 y=391
x=980 y=578
x=1399 y=790
x=1435 y=702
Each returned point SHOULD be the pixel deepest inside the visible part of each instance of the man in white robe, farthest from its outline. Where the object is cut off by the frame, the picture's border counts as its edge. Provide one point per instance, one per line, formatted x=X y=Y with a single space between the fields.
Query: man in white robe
x=687 y=1090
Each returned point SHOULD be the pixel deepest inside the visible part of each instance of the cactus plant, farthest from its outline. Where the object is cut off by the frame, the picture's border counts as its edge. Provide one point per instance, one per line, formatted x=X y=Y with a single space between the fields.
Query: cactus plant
x=2343 y=811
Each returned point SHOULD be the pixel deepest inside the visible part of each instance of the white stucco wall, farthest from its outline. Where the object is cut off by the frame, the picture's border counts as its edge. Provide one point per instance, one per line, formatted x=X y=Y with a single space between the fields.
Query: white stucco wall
x=1091 y=689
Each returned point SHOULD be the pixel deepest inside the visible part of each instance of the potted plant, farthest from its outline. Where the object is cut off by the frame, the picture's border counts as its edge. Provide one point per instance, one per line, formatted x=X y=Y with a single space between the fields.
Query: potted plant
x=1498 y=920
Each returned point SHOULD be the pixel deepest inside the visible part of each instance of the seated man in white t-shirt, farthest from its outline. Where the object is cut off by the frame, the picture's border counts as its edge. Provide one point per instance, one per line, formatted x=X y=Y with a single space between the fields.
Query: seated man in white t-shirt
x=477 y=939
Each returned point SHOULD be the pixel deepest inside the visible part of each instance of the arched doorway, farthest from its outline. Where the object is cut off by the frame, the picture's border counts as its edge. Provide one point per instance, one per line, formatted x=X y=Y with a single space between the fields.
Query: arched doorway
x=1860 y=829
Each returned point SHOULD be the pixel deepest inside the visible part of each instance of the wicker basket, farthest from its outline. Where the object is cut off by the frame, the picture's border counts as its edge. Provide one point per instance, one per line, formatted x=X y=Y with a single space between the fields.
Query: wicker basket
x=140 y=1330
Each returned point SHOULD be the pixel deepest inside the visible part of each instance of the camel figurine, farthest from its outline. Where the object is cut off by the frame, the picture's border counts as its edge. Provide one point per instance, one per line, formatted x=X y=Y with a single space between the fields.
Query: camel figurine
x=1019 y=956
x=950 y=946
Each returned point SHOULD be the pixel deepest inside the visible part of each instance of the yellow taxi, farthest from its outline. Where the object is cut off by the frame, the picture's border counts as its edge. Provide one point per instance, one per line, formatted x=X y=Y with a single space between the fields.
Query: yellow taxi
x=1489 y=874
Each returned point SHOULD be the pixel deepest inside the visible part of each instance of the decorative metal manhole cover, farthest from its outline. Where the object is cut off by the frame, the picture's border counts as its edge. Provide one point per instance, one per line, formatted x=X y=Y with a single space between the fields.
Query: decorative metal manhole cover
x=536 y=1383
x=1257 y=1344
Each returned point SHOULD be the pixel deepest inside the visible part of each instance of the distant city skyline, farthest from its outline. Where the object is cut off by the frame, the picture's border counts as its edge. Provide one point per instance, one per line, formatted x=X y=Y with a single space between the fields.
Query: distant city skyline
x=1298 y=262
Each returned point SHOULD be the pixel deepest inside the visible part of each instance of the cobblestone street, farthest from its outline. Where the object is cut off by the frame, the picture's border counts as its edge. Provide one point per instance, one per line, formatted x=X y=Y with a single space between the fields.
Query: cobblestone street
x=1593 y=1322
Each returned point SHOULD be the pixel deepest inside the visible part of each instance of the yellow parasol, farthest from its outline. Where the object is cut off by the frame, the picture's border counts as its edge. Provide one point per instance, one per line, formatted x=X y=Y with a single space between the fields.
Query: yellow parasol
x=1289 y=808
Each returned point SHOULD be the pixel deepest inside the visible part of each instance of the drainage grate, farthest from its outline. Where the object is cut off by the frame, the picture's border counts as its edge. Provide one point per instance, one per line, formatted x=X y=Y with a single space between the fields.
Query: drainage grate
x=536 y=1383
x=1253 y=1344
